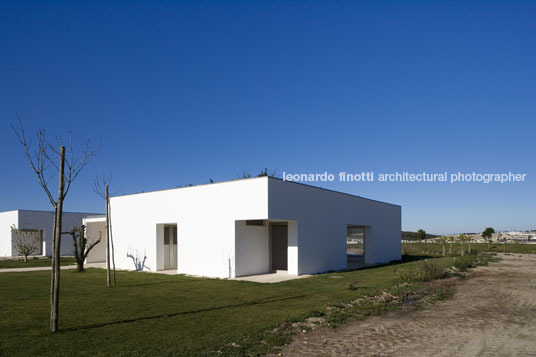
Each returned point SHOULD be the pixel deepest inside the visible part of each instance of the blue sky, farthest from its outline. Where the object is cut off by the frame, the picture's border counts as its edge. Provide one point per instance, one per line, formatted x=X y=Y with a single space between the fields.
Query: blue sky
x=181 y=92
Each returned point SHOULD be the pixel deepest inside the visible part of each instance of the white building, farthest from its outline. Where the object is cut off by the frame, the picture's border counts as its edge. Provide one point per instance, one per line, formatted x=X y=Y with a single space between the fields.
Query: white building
x=245 y=227
x=39 y=226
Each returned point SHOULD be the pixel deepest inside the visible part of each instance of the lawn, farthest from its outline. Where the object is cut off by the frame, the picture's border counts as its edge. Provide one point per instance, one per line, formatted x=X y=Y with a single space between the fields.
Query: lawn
x=153 y=314
x=33 y=262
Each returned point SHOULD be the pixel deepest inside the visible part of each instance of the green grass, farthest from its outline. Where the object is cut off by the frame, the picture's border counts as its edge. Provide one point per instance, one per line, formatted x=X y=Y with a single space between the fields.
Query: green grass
x=32 y=262
x=153 y=314
x=435 y=249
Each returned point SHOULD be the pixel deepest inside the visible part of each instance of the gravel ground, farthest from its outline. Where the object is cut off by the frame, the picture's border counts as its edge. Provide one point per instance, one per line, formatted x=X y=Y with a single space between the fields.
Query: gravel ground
x=493 y=313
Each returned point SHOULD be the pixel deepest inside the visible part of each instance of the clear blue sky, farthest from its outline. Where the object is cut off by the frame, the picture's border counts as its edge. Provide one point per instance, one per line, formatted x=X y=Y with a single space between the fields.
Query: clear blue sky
x=181 y=92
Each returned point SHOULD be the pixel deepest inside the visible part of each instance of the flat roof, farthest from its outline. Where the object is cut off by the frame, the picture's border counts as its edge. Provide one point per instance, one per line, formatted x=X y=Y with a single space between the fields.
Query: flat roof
x=255 y=178
x=339 y=192
x=37 y=210
x=96 y=216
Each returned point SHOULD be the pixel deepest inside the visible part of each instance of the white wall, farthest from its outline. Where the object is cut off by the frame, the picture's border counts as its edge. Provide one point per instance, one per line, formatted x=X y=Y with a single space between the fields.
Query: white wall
x=214 y=241
x=7 y=219
x=43 y=220
x=252 y=249
x=205 y=217
x=322 y=217
x=160 y=249
x=293 y=251
x=96 y=229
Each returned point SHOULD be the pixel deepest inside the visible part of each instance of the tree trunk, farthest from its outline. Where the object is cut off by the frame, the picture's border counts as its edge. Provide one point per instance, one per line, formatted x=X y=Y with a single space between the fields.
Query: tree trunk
x=443 y=250
x=80 y=266
x=57 y=244
x=107 y=239
x=53 y=267
x=26 y=258
x=111 y=243
x=462 y=253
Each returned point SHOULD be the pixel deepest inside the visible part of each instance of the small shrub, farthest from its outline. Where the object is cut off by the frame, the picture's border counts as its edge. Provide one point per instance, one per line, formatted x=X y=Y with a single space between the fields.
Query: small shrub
x=463 y=263
x=373 y=307
x=336 y=318
x=425 y=271
x=440 y=294
x=406 y=275
x=316 y=313
x=431 y=271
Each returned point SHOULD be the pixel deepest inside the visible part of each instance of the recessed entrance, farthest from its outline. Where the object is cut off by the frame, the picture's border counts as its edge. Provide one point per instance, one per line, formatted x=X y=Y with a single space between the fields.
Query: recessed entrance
x=170 y=246
x=279 y=246
x=356 y=239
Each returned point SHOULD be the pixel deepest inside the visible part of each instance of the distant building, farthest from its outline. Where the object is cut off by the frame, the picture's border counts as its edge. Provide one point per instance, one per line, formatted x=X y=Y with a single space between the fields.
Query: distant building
x=38 y=226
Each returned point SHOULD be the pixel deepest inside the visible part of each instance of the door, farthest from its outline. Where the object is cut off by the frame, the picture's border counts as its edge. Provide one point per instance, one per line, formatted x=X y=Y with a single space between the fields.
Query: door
x=279 y=246
x=170 y=247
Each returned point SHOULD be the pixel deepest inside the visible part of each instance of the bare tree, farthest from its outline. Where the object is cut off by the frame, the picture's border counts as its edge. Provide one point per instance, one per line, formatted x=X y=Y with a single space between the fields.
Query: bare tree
x=26 y=241
x=82 y=246
x=101 y=188
x=47 y=160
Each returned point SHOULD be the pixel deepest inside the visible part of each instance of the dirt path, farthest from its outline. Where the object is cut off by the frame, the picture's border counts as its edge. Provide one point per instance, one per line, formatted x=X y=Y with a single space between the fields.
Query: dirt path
x=492 y=314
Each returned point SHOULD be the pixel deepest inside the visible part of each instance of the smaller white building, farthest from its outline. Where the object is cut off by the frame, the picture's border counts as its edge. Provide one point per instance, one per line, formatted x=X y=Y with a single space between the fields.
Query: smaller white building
x=39 y=225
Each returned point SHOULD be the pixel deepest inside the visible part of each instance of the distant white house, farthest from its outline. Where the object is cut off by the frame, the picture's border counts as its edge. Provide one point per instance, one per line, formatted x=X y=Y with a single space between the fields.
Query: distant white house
x=245 y=227
x=39 y=226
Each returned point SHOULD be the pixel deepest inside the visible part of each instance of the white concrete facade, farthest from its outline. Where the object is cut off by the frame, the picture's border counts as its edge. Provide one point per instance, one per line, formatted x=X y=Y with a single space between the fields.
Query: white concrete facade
x=237 y=228
x=41 y=221
x=96 y=229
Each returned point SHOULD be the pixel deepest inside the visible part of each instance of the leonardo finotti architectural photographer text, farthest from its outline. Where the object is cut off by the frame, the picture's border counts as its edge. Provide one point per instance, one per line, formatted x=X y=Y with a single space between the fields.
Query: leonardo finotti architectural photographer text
x=406 y=177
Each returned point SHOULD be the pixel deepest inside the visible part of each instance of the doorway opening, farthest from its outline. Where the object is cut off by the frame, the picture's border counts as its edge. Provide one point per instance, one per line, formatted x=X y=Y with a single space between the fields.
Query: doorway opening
x=279 y=246
x=170 y=246
x=355 y=245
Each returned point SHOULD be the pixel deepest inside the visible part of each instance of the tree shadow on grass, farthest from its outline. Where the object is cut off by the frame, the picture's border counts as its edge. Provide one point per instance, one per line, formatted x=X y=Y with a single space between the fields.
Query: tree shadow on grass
x=248 y=303
x=145 y=284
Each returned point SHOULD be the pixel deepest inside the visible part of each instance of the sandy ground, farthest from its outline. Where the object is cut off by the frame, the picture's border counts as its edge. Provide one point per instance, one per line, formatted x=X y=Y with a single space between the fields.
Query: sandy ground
x=493 y=313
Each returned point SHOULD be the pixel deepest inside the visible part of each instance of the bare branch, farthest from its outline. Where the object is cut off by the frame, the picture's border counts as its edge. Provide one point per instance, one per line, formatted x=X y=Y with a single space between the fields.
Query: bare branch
x=82 y=245
x=75 y=166
x=100 y=183
x=98 y=187
x=26 y=242
x=38 y=160
x=45 y=156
